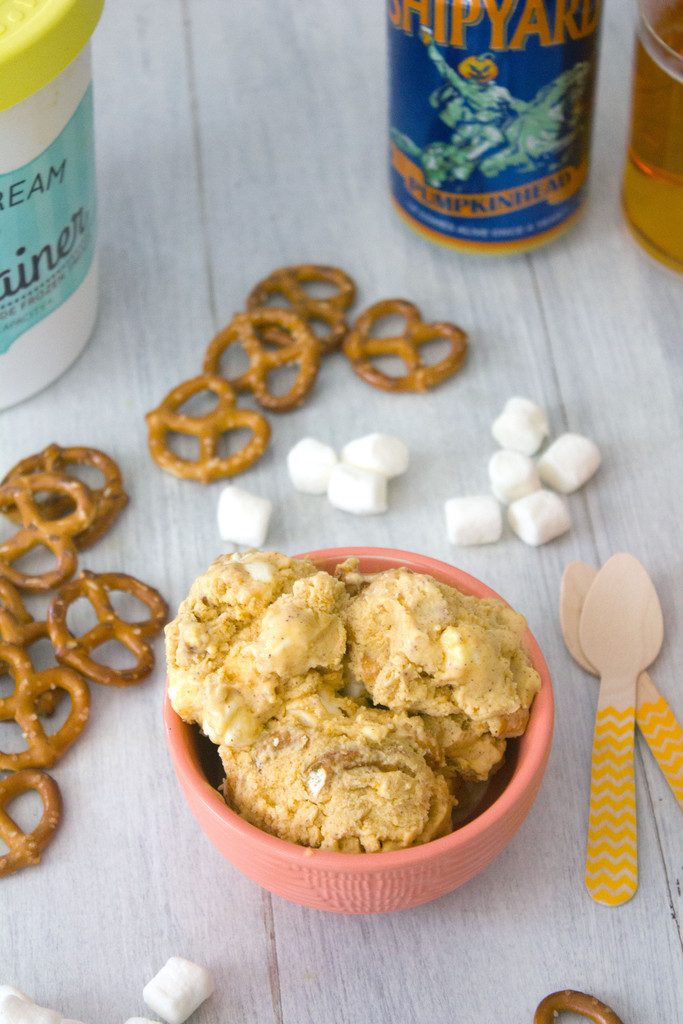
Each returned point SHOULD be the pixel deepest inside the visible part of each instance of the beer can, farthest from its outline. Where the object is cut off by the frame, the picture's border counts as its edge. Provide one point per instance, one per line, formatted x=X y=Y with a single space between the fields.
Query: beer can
x=490 y=118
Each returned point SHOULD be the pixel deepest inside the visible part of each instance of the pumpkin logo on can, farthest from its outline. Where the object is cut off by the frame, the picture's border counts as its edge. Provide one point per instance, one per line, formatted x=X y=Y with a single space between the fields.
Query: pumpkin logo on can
x=482 y=68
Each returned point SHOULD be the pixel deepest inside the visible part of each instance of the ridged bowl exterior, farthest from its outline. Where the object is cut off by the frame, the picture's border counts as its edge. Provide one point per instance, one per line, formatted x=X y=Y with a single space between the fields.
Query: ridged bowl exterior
x=377 y=882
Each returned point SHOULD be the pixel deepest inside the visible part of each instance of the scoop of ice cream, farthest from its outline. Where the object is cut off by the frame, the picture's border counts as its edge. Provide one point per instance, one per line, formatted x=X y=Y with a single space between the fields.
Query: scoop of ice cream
x=341 y=777
x=419 y=645
x=303 y=630
x=252 y=625
x=468 y=747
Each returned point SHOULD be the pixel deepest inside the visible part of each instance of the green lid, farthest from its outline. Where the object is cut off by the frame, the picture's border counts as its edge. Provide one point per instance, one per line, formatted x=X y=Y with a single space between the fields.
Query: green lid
x=38 y=39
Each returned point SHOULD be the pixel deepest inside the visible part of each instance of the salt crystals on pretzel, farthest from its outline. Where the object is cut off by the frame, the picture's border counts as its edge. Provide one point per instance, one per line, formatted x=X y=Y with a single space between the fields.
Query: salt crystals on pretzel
x=57 y=535
x=362 y=345
x=110 y=497
x=271 y=339
x=209 y=429
x=78 y=651
x=25 y=848
x=287 y=286
x=42 y=749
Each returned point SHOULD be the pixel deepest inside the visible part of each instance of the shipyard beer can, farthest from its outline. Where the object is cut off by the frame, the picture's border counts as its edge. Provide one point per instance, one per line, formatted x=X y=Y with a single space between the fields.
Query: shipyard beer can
x=490 y=118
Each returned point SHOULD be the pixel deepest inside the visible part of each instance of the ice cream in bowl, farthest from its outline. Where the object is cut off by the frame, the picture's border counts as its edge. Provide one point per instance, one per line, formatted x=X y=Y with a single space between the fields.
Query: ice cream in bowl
x=357 y=730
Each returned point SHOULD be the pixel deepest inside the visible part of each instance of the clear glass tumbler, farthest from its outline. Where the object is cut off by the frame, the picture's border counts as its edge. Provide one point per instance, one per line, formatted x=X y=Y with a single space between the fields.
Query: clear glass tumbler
x=653 y=180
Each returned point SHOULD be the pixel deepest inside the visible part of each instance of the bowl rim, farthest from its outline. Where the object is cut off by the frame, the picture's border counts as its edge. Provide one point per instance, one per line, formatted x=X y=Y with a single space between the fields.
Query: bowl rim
x=539 y=732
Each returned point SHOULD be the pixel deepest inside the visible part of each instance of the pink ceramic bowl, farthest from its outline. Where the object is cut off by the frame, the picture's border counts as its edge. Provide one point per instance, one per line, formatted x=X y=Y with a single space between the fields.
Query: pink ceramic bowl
x=375 y=882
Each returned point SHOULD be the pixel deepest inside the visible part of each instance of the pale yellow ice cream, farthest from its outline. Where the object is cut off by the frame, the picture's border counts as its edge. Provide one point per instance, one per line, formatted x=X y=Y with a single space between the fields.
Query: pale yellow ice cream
x=253 y=628
x=347 y=709
x=468 y=748
x=353 y=779
x=419 y=645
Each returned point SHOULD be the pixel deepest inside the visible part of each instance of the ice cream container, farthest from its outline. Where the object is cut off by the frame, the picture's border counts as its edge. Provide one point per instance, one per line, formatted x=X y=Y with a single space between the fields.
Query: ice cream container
x=48 y=225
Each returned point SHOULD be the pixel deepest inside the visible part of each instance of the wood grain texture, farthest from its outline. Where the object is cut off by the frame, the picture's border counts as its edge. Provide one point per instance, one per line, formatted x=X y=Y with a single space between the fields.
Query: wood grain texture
x=233 y=138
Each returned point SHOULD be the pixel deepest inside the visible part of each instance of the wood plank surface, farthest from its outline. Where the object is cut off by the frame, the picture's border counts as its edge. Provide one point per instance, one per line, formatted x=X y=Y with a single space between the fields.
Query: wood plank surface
x=233 y=138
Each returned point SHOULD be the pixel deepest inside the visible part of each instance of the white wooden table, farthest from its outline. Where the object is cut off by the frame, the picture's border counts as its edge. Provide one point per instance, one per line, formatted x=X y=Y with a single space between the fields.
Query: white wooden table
x=233 y=138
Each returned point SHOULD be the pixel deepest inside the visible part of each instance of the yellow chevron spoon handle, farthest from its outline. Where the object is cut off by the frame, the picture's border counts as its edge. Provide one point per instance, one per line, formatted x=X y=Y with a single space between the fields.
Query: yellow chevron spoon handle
x=621 y=632
x=612 y=851
x=663 y=733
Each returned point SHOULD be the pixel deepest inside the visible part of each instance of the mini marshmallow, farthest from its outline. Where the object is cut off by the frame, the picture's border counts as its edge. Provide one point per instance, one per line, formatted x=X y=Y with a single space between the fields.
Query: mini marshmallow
x=243 y=518
x=310 y=463
x=359 y=491
x=521 y=427
x=569 y=462
x=539 y=517
x=16 y=1010
x=178 y=989
x=354 y=688
x=9 y=990
x=380 y=452
x=512 y=475
x=473 y=520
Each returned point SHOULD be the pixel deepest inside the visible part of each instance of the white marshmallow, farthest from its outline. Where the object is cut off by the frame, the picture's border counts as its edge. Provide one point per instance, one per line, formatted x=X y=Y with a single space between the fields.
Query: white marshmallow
x=569 y=462
x=310 y=463
x=9 y=990
x=473 y=520
x=512 y=475
x=521 y=427
x=178 y=989
x=359 y=491
x=16 y=1010
x=261 y=571
x=243 y=518
x=380 y=452
x=137 y=1020
x=539 y=517
x=354 y=688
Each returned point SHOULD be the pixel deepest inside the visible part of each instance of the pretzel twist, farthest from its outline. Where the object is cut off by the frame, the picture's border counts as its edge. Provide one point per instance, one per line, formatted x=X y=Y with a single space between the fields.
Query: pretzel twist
x=109 y=499
x=25 y=848
x=36 y=531
x=294 y=344
x=361 y=348
x=76 y=652
x=18 y=627
x=208 y=429
x=570 y=1001
x=289 y=283
x=42 y=750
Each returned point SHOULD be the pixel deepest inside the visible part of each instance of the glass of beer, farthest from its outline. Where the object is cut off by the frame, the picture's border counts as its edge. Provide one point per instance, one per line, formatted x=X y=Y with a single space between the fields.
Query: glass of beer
x=653 y=181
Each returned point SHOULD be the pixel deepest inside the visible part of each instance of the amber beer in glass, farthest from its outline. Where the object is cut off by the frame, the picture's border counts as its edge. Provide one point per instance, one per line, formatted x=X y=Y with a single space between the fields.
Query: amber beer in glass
x=653 y=182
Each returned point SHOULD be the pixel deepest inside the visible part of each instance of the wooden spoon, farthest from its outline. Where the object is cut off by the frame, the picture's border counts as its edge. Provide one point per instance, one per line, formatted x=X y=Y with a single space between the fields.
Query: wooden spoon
x=654 y=717
x=620 y=632
x=577 y=580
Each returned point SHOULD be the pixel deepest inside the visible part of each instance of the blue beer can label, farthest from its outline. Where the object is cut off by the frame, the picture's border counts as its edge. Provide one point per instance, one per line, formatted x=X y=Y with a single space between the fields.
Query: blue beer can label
x=490 y=117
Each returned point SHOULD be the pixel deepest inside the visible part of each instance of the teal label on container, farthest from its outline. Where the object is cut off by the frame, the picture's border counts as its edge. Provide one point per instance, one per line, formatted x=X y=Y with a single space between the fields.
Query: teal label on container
x=47 y=227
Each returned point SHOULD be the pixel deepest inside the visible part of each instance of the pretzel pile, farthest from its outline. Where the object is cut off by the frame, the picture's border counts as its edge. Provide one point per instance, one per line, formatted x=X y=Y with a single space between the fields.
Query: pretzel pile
x=60 y=514
x=285 y=325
